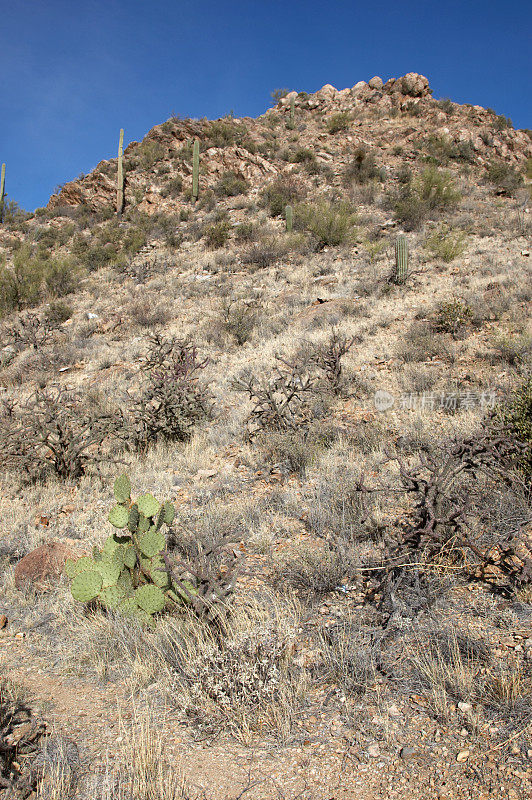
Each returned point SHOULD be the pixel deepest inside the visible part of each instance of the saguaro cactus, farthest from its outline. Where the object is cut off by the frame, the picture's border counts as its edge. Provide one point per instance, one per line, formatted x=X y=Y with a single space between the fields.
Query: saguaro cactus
x=120 y=175
x=2 y=191
x=195 y=170
x=401 y=260
x=289 y=216
x=292 y=109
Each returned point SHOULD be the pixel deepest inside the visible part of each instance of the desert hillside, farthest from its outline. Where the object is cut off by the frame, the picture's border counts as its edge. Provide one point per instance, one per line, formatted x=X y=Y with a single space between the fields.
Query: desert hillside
x=315 y=580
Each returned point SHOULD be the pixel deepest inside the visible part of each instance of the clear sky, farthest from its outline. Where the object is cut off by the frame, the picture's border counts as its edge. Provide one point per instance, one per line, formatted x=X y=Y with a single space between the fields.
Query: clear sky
x=73 y=72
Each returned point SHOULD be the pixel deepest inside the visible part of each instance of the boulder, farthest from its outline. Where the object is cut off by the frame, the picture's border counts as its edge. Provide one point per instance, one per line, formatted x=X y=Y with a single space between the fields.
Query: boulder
x=375 y=83
x=413 y=85
x=44 y=563
x=327 y=92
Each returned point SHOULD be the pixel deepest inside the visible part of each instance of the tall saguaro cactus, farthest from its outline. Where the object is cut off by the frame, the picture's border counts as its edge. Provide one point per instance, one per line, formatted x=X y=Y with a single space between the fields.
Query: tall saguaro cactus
x=2 y=191
x=401 y=260
x=292 y=109
x=120 y=175
x=195 y=170
x=289 y=215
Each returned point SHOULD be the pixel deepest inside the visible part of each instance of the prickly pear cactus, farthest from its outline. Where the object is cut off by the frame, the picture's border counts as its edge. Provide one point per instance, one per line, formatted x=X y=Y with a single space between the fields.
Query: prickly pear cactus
x=129 y=574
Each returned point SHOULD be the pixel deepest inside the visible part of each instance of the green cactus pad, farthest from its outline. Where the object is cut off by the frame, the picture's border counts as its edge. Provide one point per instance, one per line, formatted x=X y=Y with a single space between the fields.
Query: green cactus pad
x=128 y=606
x=143 y=524
x=119 y=516
x=86 y=586
x=130 y=557
x=150 y=598
x=169 y=512
x=111 y=597
x=122 y=489
x=83 y=564
x=133 y=521
x=151 y=543
x=148 y=505
x=179 y=594
x=158 y=572
x=109 y=571
x=125 y=582
x=70 y=568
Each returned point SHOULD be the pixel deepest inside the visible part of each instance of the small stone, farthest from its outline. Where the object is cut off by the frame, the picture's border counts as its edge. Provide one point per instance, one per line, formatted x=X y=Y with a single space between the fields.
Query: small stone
x=393 y=711
x=465 y=707
x=409 y=752
x=374 y=751
x=3 y=621
x=462 y=756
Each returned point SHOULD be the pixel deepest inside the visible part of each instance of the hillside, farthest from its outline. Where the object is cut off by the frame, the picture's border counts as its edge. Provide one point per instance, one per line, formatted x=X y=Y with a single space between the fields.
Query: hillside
x=347 y=447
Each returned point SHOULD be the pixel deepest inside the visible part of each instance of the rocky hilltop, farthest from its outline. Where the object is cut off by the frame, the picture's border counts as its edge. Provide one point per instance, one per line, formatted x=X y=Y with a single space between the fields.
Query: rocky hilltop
x=401 y=111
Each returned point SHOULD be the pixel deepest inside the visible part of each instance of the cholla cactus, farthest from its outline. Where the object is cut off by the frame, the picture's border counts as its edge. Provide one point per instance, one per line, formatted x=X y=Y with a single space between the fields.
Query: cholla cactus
x=400 y=273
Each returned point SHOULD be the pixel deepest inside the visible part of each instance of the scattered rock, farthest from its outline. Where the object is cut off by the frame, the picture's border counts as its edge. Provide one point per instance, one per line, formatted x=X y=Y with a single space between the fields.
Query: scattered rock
x=3 y=621
x=374 y=750
x=375 y=83
x=462 y=756
x=43 y=563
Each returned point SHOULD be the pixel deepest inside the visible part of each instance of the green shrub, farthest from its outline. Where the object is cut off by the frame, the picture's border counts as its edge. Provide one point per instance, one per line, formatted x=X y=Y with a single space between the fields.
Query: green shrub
x=31 y=277
x=217 y=235
x=338 y=122
x=173 y=187
x=331 y=224
x=446 y=244
x=147 y=154
x=231 y=184
x=505 y=178
x=302 y=156
x=245 y=232
x=515 y=416
x=430 y=192
x=452 y=315
x=362 y=168
x=283 y=191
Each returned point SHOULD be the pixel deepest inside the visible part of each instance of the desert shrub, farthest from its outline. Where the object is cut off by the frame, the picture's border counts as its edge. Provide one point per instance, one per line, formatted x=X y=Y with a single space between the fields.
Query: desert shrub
x=430 y=192
x=331 y=224
x=420 y=343
x=31 y=277
x=54 y=432
x=513 y=350
x=278 y=94
x=338 y=122
x=245 y=232
x=283 y=191
x=303 y=156
x=225 y=132
x=362 y=168
x=452 y=316
x=145 y=313
x=172 y=400
x=231 y=184
x=312 y=571
x=146 y=155
x=268 y=249
x=216 y=235
x=172 y=187
x=441 y=150
x=350 y=655
x=239 y=318
x=31 y=330
x=446 y=244
x=446 y=105
x=504 y=178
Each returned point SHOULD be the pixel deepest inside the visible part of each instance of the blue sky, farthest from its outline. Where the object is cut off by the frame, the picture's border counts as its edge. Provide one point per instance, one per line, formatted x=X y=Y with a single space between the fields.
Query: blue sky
x=73 y=72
